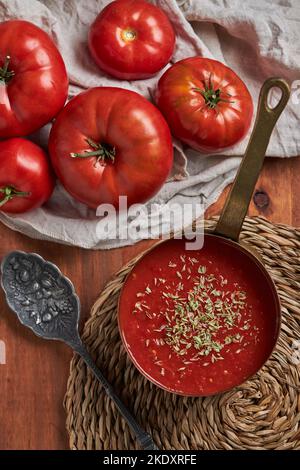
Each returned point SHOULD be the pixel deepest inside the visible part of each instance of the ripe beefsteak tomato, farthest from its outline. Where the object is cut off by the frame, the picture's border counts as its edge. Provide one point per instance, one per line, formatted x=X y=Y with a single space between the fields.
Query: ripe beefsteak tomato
x=206 y=105
x=131 y=39
x=33 y=79
x=110 y=142
x=26 y=179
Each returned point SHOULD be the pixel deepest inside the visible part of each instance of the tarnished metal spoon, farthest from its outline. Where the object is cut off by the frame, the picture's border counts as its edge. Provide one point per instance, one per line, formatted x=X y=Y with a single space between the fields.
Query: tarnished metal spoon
x=45 y=301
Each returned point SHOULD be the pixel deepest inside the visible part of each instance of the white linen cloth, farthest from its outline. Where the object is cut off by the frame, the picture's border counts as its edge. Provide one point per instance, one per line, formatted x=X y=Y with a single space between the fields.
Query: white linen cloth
x=257 y=38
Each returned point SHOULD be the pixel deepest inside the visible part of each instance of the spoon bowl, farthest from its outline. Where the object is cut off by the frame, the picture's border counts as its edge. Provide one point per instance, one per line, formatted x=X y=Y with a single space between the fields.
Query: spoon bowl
x=43 y=299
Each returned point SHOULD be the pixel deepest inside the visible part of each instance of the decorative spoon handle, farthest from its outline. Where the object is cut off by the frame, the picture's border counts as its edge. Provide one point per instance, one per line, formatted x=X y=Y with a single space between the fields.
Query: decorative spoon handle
x=142 y=437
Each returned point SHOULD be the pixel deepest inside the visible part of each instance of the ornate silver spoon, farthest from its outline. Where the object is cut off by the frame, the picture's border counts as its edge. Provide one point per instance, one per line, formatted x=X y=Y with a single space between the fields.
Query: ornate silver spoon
x=45 y=301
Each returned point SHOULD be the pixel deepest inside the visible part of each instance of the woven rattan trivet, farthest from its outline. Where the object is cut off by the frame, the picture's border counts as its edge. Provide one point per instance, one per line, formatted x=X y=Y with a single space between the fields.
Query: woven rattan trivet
x=264 y=413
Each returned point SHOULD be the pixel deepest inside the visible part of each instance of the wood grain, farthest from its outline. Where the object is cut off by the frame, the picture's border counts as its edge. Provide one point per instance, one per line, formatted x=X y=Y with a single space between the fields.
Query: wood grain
x=33 y=380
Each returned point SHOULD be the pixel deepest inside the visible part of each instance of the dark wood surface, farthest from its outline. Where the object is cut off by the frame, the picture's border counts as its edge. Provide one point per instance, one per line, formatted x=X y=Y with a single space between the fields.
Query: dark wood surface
x=33 y=380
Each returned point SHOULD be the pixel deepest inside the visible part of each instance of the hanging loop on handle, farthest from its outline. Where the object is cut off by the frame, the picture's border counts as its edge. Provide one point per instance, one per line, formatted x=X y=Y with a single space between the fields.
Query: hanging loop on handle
x=236 y=206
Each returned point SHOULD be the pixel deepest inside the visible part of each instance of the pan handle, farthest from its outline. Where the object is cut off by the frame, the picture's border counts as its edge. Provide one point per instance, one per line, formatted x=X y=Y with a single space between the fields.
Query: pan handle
x=236 y=206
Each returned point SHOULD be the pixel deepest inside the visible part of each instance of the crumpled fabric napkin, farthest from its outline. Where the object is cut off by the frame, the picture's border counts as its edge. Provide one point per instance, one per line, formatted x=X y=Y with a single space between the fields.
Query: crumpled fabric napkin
x=257 y=38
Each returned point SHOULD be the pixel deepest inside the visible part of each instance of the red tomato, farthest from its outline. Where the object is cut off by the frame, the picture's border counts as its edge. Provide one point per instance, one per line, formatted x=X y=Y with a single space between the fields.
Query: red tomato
x=111 y=142
x=26 y=180
x=131 y=39
x=205 y=103
x=33 y=79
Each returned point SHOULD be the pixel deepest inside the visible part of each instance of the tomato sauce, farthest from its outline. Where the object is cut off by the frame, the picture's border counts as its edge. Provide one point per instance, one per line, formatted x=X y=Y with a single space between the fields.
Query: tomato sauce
x=198 y=322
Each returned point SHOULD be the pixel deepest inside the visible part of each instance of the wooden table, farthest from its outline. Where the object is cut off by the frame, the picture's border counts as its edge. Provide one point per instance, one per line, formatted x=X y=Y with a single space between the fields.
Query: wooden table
x=33 y=380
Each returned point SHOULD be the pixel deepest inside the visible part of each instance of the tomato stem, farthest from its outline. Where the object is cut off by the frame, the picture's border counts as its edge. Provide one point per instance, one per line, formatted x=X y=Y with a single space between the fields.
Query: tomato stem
x=211 y=96
x=103 y=152
x=9 y=192
x=128 y=35
x=5 y=74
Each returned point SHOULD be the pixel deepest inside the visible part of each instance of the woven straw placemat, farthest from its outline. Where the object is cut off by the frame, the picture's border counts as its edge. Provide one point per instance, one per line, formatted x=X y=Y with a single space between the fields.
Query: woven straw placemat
x=263 y=413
